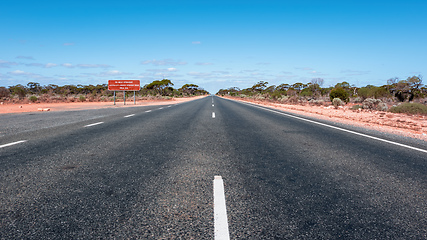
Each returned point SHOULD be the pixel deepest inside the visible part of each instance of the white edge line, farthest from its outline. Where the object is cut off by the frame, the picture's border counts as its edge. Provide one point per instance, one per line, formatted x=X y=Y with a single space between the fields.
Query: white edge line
x=93 y=124
x=13 y=143
x=341 y=129
x=220 y=210
x=131 y=115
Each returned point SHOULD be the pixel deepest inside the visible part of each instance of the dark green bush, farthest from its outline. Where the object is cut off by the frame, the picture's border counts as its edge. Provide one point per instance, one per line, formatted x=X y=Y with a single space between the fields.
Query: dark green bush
x=33 y=98
x=410 y=108
x=340 y=93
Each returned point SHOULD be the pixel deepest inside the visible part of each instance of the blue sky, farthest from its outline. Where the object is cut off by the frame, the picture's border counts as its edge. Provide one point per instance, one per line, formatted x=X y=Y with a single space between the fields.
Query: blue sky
x=215 y=44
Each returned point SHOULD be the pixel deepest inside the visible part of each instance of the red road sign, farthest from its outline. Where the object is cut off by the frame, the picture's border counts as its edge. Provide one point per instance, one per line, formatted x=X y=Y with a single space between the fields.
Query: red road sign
x=124 y=85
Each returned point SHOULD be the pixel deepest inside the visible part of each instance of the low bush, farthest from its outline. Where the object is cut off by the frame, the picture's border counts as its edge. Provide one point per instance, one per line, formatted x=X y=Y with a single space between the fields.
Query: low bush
x=382 y=107
x=316 y=102
x=33 y=98
x=82 y=98
x=337 y=102
x=410 y=108
x=356 y=107
x=374 y=104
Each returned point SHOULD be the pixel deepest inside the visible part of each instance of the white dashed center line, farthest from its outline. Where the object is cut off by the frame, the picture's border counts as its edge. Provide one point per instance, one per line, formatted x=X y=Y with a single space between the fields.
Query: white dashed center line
x=13 y=143
x=131 y=115
x=148 y=111
x=93 y=124
x=220 y=210
x=213 y=114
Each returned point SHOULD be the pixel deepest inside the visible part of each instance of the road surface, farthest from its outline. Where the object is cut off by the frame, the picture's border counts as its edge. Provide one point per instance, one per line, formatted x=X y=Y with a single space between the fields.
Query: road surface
x=148 y=173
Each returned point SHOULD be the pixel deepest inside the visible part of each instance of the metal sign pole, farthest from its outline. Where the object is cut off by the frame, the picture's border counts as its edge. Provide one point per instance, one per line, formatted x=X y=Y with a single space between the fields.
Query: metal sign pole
x=124 y=98
x=134 y=101
x=114 y=97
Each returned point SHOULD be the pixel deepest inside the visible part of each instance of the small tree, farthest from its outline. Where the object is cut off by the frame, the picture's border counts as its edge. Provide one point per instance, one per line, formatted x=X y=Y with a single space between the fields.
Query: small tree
x=34 y=87
x=4 y=93
x=159 y=86
x=189 y=89
x=260 y=86
x=19 y=90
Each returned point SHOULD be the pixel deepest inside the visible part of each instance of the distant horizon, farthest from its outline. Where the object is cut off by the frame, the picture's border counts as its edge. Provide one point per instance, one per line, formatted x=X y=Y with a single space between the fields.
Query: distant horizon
x=215 y=45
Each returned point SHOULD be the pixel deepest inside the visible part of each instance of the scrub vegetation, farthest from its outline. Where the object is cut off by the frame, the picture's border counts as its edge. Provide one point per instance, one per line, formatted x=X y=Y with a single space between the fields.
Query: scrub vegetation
x=34 y=92
x=405 y=96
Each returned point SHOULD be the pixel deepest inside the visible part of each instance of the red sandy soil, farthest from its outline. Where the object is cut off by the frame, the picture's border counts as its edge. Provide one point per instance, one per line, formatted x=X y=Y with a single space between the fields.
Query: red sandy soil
x=34 y=107
x=414 y=126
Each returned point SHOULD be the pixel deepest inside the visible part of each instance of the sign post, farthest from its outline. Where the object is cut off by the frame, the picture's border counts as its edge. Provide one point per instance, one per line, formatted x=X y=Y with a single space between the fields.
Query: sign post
x=124 y=85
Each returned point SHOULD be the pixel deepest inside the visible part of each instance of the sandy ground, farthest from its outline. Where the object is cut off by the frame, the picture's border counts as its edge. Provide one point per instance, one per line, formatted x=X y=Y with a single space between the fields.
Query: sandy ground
x=34 y=107
x=401 y=124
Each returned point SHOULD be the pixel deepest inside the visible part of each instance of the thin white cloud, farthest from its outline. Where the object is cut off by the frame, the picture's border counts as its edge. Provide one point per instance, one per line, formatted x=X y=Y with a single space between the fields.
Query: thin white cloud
x=203 y=63
x=305 y=68
x=249 y=71
x=93 y=65
x=263 y=63
x=200 y=74
x=167 y=75
x=221 y=72
x=85 y=65
x=49 y=65
x=165 y=62
x=68 y=44
x=29 y=75
x=7 y=64
x=113 y=73
x=354 y=72
x=68 y=65
x=19 y=72
x=25 y=57
x=163 y=70
x=196 y=42
x=34 y=65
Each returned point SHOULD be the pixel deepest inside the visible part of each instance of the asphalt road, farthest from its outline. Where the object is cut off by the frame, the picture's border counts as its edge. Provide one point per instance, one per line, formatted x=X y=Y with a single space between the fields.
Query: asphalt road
x=147 y=173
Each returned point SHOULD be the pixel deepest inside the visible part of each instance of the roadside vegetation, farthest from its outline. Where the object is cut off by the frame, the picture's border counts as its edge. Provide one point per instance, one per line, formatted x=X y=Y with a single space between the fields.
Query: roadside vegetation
x=403 y=96
x=35 y=93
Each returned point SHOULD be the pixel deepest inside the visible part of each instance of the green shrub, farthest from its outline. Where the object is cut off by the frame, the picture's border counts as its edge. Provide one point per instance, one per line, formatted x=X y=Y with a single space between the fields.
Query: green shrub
x=382 y=107
x=371 y=103
x=356 y=107
x=337 y=102
x=33 y=99
x=340 y=93
x=410 y=108
x=82 y=98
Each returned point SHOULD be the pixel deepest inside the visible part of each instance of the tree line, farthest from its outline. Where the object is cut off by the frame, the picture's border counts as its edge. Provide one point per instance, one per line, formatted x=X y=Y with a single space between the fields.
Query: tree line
x=399 y=90
x=156 y=88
